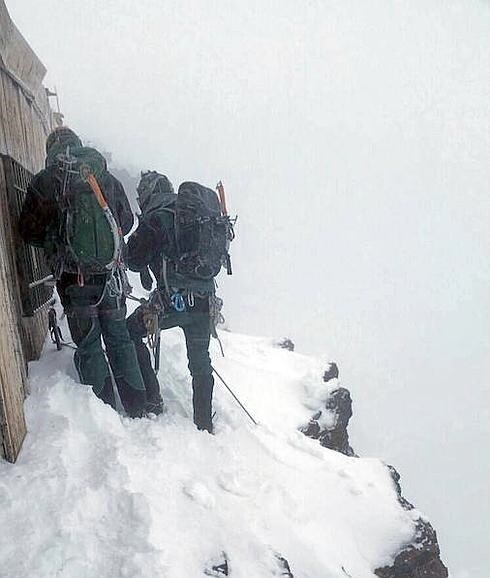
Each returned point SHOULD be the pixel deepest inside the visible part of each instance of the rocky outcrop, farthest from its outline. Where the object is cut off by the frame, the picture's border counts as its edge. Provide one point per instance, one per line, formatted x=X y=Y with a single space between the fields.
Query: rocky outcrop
x=421 y=558
x=283 y=567
x=332 y=372
x=329 y=424
x=286 y=343
x=220 y=567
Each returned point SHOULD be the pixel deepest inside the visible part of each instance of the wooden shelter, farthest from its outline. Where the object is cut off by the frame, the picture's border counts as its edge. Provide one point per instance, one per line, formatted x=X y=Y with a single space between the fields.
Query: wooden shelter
x=25 y=121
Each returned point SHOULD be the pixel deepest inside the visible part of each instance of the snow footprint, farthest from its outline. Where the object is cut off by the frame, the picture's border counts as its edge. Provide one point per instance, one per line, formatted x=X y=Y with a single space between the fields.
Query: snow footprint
x=199 y=493
x=352 y=488
x=231 y=483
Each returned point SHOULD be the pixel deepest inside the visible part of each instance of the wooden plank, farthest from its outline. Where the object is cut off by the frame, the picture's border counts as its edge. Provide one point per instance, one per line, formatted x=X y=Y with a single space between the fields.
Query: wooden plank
x=3 y=112
x=16 y=53
x=22 y=134
x=25 y=120
x=12 y=365
x=4 y=132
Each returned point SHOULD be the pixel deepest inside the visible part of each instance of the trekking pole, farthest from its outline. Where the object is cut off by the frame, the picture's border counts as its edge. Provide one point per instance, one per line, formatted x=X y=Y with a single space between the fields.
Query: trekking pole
x=234 y=396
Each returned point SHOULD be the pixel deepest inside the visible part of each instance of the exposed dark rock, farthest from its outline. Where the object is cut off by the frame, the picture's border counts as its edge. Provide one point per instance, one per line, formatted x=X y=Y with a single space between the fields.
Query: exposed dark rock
x=329 y=425
x=332 y=372
x=286 y=343
x=284 y=569
x=421 y=559
x=218 y=567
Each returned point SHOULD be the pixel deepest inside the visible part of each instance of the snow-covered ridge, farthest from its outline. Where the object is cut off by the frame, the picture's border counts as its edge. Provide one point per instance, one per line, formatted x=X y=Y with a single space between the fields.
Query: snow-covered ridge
x=97 y=494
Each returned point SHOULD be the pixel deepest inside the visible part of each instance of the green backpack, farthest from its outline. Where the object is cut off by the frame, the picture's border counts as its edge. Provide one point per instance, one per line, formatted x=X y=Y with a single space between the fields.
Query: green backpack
x=89 y=232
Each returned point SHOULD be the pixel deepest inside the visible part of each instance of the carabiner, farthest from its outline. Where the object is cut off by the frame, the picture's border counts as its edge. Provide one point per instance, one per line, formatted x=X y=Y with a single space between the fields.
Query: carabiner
x=178 y=302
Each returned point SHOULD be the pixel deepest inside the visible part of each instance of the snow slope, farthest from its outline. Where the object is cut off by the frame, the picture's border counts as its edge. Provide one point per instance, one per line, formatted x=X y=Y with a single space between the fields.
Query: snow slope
x=97 y=494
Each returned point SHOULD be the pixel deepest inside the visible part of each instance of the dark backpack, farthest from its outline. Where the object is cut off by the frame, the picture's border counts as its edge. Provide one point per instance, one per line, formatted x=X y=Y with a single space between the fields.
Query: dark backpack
x=202 y=232
x=90 y=234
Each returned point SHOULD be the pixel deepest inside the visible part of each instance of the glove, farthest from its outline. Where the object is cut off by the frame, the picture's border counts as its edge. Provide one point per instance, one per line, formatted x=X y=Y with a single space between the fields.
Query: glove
x=146 y=279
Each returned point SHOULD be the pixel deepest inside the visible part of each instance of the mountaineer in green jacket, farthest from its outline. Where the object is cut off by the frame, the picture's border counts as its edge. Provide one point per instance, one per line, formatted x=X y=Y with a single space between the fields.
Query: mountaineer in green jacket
x=78 y=212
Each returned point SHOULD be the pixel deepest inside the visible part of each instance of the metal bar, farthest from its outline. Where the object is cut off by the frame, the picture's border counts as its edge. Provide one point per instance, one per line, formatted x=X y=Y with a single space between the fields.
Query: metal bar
x=41 y=281
x=49 y=303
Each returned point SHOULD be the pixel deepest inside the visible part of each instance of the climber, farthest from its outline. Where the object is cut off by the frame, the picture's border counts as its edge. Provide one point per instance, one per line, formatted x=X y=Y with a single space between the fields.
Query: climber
x=183 y=239
x=78 y=212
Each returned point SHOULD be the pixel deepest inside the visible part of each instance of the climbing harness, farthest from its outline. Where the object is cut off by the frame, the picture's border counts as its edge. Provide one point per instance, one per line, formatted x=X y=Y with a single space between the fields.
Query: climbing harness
x=175 y=297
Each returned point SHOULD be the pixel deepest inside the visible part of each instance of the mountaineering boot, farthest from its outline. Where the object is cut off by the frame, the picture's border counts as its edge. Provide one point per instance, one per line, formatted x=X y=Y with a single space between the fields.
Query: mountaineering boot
x=133 y=400
x=155 y=407
x=202 y=396
x=107 y=393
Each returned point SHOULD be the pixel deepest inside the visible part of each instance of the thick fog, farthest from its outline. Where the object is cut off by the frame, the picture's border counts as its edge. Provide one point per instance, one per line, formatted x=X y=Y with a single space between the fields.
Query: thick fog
x=353 y=139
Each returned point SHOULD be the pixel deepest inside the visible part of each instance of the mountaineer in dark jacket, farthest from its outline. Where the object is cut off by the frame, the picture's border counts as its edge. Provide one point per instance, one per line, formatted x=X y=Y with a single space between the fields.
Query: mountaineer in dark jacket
x=178 y=300
x=92 y=295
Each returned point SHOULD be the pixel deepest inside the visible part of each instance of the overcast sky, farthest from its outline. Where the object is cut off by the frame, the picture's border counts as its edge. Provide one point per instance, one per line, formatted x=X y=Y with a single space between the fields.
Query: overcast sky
x=353 y=139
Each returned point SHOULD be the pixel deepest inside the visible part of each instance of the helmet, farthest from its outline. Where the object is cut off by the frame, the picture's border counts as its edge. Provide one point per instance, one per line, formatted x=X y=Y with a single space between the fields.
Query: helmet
x=152 y=184
x=64 y=136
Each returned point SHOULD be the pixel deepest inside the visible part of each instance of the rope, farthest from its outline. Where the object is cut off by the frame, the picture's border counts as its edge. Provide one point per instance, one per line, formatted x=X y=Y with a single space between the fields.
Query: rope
x=234 y=396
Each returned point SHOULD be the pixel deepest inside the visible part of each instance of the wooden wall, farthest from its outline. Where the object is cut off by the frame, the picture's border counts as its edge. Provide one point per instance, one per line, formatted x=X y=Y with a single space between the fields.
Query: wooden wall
x=25 y=121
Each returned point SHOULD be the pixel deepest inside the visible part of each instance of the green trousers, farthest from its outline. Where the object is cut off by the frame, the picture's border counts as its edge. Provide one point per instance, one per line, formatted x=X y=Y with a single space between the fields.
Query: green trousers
x=94 y=314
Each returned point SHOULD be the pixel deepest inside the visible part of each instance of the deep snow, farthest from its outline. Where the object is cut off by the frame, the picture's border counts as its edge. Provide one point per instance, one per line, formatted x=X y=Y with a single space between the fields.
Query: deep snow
x=98 y=494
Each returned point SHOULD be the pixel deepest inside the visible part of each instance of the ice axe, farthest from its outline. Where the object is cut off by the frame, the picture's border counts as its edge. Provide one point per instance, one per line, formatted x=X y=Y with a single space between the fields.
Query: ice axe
x=222 y=198
x=224 y=213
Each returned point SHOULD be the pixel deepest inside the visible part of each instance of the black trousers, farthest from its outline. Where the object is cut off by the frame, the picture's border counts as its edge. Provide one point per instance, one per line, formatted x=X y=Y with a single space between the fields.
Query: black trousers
x=196 y=325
